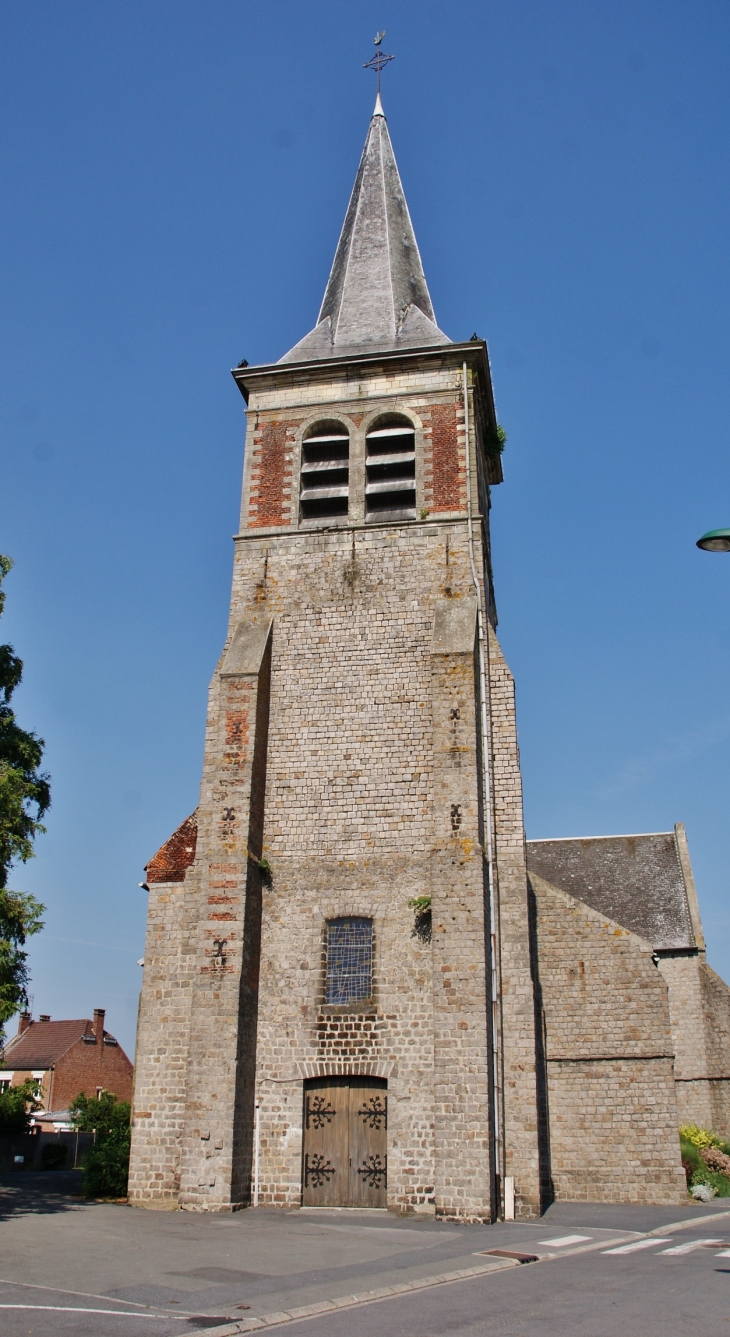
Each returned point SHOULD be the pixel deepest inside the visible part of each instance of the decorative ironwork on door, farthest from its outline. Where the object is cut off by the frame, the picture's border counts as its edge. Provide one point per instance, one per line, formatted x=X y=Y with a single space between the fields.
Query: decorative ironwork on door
x=345 y=1161
x=374 y=1112
x=317 y=1171
x=374 y=1171
x=318 y=1112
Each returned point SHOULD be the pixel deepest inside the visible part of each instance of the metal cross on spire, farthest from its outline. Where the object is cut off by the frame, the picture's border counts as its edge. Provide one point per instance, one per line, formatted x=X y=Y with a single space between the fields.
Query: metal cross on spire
x=379 y=60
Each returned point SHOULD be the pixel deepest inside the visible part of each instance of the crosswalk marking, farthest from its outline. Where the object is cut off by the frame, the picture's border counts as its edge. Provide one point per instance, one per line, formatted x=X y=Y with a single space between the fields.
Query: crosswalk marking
x=690 y=1246
x=563 y=1240
x=638 y=1244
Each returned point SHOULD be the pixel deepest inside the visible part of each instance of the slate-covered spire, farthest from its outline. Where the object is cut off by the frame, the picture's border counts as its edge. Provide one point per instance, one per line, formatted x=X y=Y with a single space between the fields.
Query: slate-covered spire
x=376 y=297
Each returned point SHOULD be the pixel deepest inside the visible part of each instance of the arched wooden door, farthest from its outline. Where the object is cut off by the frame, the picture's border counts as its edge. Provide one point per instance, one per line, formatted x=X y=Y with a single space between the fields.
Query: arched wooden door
x=345 y=1142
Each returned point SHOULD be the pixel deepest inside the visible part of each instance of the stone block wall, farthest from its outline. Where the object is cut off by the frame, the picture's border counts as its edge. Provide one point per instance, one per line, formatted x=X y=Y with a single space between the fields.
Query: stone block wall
x=609 y=1057
x=716 y=997
x=518 y=1153
x=160 y=1077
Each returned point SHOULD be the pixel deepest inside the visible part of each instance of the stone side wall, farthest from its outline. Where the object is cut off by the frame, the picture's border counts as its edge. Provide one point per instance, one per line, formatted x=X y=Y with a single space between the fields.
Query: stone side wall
x=518 y=1153
x=462 y=1135
x=699 y=1003
x=216 y=1154
x=716 y=998
x=160 y=1078
x=683 y=974
x=609 y=1055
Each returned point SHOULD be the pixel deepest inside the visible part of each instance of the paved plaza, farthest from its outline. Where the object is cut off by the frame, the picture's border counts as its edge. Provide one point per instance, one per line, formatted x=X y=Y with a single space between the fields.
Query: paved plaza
x=101 y=1269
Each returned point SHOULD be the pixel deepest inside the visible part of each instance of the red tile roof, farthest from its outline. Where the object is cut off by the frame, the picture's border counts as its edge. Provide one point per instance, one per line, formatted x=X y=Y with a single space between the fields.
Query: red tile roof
x=173 y=859
x=44 y=1042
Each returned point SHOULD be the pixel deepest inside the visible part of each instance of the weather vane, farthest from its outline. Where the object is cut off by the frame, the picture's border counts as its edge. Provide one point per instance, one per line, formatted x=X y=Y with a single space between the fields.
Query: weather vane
x=379 y=60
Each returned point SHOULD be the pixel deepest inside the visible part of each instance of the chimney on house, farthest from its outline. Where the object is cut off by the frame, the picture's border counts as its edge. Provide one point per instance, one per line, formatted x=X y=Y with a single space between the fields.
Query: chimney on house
x=99 y=1014
x=24 y=1022
x=45 y=1016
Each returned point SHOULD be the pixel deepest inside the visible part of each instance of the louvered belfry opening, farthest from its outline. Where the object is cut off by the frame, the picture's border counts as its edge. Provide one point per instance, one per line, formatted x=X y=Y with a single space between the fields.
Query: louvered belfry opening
x=390 y=491
x=325 y=472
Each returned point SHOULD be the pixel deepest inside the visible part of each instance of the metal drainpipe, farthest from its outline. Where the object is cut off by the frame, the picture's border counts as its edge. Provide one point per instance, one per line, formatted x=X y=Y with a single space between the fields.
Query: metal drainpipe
x=486 y=756
x=256 y=1126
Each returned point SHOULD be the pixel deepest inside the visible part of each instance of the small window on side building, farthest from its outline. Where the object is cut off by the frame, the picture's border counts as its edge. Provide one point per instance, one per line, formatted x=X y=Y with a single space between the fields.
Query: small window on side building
x=349 y=976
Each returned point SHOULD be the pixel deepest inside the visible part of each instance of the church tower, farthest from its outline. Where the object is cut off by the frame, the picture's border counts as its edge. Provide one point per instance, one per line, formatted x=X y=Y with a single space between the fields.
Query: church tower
x=338 y=1006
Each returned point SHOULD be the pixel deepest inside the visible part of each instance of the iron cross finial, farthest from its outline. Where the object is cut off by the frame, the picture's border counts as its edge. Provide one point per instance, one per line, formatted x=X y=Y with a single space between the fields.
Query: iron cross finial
x=379 y=60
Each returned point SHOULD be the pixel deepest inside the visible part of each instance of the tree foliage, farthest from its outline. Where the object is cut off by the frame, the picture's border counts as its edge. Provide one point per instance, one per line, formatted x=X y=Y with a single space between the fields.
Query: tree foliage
x=16 y=1106
x=25 y=797
x=106 y=1168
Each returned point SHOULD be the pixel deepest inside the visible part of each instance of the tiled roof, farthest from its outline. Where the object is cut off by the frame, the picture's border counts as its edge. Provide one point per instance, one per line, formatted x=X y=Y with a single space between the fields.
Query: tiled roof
x=636 y=881
x=173 y=859
x=44 y=1043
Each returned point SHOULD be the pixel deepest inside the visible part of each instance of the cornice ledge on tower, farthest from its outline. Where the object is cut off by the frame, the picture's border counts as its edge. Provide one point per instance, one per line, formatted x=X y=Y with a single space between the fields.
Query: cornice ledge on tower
x=472 y=351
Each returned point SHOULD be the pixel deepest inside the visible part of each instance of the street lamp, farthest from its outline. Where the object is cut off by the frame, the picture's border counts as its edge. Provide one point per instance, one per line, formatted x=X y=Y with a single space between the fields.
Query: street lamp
x=716 y=540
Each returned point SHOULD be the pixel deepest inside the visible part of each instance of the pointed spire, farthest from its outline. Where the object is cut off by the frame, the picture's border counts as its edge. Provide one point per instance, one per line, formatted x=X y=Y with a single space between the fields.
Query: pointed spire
x=377 y=297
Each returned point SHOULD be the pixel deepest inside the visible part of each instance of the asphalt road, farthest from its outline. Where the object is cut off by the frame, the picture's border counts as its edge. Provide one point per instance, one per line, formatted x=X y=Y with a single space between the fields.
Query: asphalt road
x=100 y=1270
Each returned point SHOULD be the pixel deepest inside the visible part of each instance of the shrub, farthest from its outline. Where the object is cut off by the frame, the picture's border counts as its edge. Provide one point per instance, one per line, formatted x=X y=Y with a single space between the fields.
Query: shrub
x=715 y=1159
x=106 y=1167
x=54 y=1156
x=699 y=1137
x=106 y=1170
x=702 y=1192
x=720 y=1183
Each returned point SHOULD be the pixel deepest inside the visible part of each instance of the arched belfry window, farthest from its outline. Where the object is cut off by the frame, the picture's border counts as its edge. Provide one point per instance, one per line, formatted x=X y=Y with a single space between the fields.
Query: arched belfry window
x=325 y=471
x=390 y=490
x=349 y=975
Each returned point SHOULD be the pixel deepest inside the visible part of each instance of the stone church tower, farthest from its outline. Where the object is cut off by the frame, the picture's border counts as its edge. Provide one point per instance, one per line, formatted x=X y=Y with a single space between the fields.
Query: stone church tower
x=357 y=992
x=307 y=1033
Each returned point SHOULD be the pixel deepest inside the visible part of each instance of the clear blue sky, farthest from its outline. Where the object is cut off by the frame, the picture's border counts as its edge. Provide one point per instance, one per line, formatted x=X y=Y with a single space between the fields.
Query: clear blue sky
x=174 y=180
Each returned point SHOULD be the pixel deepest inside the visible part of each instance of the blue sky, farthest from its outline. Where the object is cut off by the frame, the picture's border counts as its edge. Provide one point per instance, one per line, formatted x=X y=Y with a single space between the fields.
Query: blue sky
x=174 y=181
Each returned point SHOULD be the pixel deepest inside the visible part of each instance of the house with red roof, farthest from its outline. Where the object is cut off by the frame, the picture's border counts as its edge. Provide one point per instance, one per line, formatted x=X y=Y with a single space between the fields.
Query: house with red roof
x=66 y=1058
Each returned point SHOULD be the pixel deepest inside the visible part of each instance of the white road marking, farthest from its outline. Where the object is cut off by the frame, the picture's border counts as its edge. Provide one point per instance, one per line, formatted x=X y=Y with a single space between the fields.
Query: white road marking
x=725 y=1253
x=688 y=1248
x=563 y=1240
x=638 y=1244
x=86 y=1295
x=67 y=1309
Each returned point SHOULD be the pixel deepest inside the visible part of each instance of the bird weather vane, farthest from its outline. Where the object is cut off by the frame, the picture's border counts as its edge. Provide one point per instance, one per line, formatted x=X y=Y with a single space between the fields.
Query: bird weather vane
x=379 y=60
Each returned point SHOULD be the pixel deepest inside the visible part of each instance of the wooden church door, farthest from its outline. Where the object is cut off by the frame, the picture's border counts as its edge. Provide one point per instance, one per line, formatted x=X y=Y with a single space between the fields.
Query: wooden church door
x=345 y=1142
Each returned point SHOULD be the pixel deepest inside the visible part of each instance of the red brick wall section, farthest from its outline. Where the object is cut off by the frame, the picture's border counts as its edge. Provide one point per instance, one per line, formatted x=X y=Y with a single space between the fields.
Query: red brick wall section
x=270 y=502
x=444 y=459
x=173 y=859
x=86 y=1067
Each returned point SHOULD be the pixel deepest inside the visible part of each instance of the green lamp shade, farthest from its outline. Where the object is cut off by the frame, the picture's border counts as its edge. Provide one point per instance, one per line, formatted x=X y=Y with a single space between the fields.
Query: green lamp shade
x=717 y=540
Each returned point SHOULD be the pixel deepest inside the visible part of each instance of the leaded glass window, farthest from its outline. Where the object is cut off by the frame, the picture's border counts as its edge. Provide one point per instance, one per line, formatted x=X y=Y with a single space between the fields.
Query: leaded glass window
x=349 y=960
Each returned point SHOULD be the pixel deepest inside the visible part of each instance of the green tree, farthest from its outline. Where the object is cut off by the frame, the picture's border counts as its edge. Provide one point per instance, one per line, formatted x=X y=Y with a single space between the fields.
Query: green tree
x=17 y=1104
x=106 y=1168
x=25 y=797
